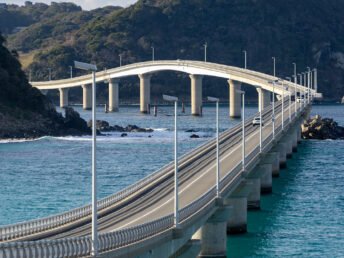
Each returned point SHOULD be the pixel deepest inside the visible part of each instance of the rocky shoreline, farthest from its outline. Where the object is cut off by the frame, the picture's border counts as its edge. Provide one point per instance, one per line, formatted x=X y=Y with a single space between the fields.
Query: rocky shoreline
x=321 y=129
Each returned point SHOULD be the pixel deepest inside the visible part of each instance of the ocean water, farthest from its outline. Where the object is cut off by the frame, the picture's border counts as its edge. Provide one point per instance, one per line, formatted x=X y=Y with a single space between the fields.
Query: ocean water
x=304 y=216
x=53 y=174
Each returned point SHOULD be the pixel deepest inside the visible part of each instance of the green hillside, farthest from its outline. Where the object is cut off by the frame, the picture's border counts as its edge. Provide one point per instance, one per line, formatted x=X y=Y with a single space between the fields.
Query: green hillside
x=309 y=32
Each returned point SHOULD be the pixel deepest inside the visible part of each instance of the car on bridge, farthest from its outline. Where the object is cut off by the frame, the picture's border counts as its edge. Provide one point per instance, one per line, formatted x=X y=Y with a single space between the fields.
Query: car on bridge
x=300 y=100
x=256 y=121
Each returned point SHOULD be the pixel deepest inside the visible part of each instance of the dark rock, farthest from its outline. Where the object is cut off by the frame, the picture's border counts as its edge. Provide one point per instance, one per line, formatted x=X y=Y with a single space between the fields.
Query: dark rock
x=124 y=134
x=322 y=129
x=194 y=136
x=191 y=131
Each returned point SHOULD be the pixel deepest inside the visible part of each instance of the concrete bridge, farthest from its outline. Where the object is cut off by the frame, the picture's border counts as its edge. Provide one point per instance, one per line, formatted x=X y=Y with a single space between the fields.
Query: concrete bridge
x=138 y=221
x=196 y=69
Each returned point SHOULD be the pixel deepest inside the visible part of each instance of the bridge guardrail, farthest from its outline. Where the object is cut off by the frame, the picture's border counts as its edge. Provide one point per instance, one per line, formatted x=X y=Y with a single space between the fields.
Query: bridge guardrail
x=82 y=246
x=23 y=229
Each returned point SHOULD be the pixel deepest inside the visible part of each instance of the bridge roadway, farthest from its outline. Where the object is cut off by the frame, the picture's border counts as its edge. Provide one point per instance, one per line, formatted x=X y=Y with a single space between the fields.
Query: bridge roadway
x=196 y=176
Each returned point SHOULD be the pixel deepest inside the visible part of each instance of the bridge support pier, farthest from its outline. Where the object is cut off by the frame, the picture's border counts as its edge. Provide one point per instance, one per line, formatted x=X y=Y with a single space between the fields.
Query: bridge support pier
x=113 y=95
x=266 y=178
x=253 y=199
x=144 y=92
x=273 y=159
x=294 y=139
x=288 y=146
x=87 y=96
x=196 y=94
x=234 y=99
x=237 y=222
x=213 y=233
x=264 y=98
x=281 y=149
x=64 y=97
x=299 y=131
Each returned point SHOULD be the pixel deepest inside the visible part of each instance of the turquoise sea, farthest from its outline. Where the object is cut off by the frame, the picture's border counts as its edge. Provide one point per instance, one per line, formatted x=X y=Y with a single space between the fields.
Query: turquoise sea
x=304 y=216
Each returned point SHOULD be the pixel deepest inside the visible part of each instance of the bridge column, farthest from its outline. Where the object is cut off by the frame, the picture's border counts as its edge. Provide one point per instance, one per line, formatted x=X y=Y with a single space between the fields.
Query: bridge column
x=234 y=99
x=144 y=92
x=113 y=95
x=265 y=178
x=299 y=133
x=64 y=97
x=264 y=98
x=196 y=94
x=87 y=96
x=281 y=149
x=288 y=146
x=253 y=199
x=294 y=139
x=237 y=222
x=273 y=159
x=213 y=233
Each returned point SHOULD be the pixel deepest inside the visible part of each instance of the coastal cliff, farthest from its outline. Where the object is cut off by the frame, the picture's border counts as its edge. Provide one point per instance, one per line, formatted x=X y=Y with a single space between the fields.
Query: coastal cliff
x=24 y=111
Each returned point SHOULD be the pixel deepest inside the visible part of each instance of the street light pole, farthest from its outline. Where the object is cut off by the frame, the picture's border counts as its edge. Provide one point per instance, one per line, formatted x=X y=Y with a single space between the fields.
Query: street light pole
x=152 y=47
x=71 y=71
x=176 y=211
x=309 y=83
x=288 y=78
x=49 y=74
x=295 y=82
x=245 y=59
x=315 y=80
x=217 y=146
x=282 y=106
x=260 y=119
x=205 y=51
x=274 y=66
x=243 y=129
x=93 y=68
x=120 y=60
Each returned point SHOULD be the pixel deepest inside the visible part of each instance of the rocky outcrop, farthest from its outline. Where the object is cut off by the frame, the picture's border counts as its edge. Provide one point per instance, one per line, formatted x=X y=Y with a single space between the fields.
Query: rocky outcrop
x=106 y=127
x=322 y=129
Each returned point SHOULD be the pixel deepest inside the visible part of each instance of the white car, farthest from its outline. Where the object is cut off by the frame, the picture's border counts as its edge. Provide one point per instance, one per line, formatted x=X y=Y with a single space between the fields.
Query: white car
x=256 y=121
x=300 y=100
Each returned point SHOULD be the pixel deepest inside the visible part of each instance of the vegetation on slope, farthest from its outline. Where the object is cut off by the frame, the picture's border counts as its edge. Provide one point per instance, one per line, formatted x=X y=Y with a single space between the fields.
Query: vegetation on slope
x=309 y=33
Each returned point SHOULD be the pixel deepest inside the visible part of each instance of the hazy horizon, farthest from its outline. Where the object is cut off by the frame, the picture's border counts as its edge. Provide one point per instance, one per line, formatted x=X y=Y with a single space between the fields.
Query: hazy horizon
x=85 y=4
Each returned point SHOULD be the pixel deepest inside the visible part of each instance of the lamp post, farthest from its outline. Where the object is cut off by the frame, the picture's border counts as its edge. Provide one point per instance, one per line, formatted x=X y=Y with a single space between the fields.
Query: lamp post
x=315 y=80
x=260 y=120
x=205 y=51
x=243 y=128
x=304 y=89
x=71 y=71
x=120 y=60
x=93 y=68
x=273 y=58
x=212 y=99
x=176 y=212
x=295 y=82
x=288 y=78
x=300 y=90
x=49 y=69
x=245 y=58
x=273 y=107
x=152 y=47
x=309 y=83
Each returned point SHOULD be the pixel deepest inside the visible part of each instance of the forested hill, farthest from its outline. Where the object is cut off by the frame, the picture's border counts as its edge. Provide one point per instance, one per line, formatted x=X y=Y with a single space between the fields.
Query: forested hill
x=309 y=33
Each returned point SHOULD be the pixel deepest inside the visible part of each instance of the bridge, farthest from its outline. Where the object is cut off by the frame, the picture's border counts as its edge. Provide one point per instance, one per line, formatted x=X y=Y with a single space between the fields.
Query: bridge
x=139 y=220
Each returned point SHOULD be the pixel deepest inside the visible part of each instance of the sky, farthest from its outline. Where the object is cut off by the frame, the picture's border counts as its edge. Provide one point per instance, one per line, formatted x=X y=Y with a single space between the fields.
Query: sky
x=85 y=4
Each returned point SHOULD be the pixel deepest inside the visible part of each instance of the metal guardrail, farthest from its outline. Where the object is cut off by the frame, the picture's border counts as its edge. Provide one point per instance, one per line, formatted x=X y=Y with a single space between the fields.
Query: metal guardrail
x=81 y=246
